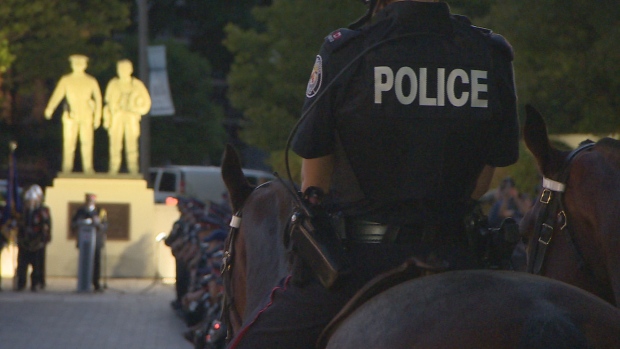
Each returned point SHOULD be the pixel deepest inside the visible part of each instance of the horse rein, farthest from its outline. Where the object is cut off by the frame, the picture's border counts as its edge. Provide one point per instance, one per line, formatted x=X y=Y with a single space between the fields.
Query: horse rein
x=553 y=214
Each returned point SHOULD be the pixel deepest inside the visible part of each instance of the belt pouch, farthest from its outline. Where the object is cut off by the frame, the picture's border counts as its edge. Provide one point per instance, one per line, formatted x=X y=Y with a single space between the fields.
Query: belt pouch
x=315 y=240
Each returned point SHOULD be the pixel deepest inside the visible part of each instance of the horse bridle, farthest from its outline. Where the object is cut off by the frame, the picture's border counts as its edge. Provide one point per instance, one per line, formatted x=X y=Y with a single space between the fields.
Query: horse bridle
x=554 y=214
x=229 y=306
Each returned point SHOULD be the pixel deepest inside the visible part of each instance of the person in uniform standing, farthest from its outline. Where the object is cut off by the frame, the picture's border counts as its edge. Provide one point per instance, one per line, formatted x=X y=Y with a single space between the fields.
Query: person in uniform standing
x=404 y=122
x=127 y=99
x=92 y=214
x=34 y=232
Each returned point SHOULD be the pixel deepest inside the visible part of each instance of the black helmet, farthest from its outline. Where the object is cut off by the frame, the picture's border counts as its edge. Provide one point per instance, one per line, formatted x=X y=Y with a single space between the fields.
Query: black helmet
x=367 y=16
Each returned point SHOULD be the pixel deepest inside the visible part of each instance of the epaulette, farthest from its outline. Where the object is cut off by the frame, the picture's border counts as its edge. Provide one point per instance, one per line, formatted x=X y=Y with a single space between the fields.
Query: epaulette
x=339 y=38
x=462 y=19
x=498 y=42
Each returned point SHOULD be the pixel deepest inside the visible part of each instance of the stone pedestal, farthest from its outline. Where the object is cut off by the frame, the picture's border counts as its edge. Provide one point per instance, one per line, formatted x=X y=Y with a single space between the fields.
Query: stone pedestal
x=131 y=246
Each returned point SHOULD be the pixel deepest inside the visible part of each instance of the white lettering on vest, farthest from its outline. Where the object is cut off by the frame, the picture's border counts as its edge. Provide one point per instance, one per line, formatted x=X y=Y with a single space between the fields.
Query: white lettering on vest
x=385 y=81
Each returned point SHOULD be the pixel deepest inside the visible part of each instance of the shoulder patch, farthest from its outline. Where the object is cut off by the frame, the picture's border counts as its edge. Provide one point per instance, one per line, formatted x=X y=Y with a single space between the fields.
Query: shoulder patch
x=316 y=77
x=338 y=38
x=498 y=42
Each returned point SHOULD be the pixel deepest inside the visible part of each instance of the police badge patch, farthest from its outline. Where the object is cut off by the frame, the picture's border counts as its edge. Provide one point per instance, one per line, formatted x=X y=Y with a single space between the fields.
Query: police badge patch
x=315 y=78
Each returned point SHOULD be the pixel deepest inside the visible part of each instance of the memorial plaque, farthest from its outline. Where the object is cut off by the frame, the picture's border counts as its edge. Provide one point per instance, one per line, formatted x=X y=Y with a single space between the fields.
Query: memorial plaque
x=118 y=220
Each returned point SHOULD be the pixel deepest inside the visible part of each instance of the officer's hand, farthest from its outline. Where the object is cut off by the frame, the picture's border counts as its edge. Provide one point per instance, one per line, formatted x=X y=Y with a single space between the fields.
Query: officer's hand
x=48 y=113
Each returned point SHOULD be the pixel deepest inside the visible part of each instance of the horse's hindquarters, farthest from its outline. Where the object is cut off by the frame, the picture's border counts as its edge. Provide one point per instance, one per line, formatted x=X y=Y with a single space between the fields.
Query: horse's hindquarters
x=480 y=309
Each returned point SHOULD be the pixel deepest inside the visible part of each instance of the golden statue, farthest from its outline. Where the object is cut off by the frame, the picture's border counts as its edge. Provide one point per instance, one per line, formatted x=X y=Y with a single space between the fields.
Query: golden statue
x=81 y=115
x=127 y=99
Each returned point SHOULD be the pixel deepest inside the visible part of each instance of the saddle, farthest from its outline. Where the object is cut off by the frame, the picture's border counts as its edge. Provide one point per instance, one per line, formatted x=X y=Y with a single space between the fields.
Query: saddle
x=412 y=268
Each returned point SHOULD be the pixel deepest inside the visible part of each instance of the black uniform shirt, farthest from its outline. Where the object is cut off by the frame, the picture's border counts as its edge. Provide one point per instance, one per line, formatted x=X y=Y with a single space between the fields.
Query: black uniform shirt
x=412 y=107
x=84 y=212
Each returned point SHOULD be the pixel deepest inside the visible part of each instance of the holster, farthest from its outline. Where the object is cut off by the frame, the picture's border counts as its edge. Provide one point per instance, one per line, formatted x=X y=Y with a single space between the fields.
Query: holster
x=317 y=243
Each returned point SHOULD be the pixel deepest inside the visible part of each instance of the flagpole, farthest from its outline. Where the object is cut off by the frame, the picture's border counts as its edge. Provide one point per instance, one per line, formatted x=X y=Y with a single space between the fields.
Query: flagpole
x=9 y=201
x=12 y=201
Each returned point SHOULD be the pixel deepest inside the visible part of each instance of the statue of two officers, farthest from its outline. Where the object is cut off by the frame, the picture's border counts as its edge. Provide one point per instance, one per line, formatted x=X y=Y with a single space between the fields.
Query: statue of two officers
x=126 y=100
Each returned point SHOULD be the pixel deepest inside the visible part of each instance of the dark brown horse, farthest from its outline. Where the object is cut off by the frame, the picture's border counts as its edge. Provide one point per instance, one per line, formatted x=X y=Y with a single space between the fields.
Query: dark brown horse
x=467 y=309
x=573 y=229
x=255 y=261
x=480 y=309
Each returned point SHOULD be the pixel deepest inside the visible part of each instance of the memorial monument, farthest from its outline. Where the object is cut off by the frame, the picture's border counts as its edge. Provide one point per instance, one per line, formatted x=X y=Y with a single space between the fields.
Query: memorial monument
x=133 y=222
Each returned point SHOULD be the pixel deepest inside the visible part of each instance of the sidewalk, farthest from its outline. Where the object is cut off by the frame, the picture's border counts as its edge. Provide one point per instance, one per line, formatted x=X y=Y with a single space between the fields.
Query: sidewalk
x=130 y=314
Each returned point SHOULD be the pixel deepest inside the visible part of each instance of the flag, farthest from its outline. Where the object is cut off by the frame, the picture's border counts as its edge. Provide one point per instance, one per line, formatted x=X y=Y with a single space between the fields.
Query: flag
x=13 y=206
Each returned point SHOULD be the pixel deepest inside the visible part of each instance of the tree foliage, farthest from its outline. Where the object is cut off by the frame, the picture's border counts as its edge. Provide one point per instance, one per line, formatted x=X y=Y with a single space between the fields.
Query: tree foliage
x=6 y=58
x=271 y=67
x=202 y=22
x=566 y=60
x=195 y=134
x=43 y=33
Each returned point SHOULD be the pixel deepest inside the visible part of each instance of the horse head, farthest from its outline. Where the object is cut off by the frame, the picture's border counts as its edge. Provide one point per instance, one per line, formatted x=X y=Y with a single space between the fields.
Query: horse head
x=256 y=257
x=573 y=230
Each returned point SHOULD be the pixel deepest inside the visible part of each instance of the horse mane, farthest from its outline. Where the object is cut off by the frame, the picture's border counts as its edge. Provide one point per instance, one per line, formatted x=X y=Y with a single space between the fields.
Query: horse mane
x=609 y=142
x=609 y=148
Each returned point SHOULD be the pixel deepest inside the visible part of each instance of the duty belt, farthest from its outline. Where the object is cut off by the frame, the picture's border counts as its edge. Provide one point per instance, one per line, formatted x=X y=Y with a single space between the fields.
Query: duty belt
x=363 y=231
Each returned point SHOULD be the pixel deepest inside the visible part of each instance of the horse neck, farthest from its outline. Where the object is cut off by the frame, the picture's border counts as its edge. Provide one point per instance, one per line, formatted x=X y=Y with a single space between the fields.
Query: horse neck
x=583 y=253
x=265 y=217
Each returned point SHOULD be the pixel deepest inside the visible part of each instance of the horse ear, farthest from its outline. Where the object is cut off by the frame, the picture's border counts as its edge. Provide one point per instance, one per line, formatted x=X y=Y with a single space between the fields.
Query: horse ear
x=238 y=186
x=536 y=138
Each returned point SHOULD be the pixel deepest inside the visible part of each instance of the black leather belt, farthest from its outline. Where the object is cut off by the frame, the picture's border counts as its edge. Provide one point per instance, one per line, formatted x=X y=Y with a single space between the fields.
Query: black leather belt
x=363 y=231
x=370 y=232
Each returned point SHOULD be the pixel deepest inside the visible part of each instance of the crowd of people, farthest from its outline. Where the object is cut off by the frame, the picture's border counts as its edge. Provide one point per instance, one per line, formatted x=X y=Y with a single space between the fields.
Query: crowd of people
x=507 y=201
x=197 y=244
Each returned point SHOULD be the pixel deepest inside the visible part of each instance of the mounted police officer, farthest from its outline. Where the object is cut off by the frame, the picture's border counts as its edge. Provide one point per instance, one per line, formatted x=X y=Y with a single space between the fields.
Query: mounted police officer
x=34 y=232
x=404 y=122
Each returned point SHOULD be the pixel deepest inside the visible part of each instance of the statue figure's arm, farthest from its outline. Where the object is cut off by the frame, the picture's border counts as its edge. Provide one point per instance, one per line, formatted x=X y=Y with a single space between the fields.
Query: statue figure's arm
x=98 y=103
x=57 y=96
x=144 y=97
x=108 y=104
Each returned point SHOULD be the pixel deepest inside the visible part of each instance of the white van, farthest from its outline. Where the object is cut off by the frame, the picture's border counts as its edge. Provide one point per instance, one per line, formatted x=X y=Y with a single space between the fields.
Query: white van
x=204 y=183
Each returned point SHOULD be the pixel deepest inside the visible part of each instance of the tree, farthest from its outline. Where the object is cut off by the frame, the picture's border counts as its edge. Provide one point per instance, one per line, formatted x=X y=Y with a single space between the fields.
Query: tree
x=6 y=58
x=42 y=34
x=202 y=23
x=195 y=135
x=271 y=67
x=566 y=60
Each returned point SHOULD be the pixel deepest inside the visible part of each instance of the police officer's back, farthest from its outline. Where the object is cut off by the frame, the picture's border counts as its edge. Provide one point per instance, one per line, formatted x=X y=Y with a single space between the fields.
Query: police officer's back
x=404 y=121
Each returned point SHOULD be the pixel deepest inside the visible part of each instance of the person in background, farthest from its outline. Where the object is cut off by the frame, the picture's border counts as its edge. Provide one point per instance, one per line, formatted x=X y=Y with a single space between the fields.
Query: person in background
x=34 y=232
x=94 y=215
x=509 y=203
